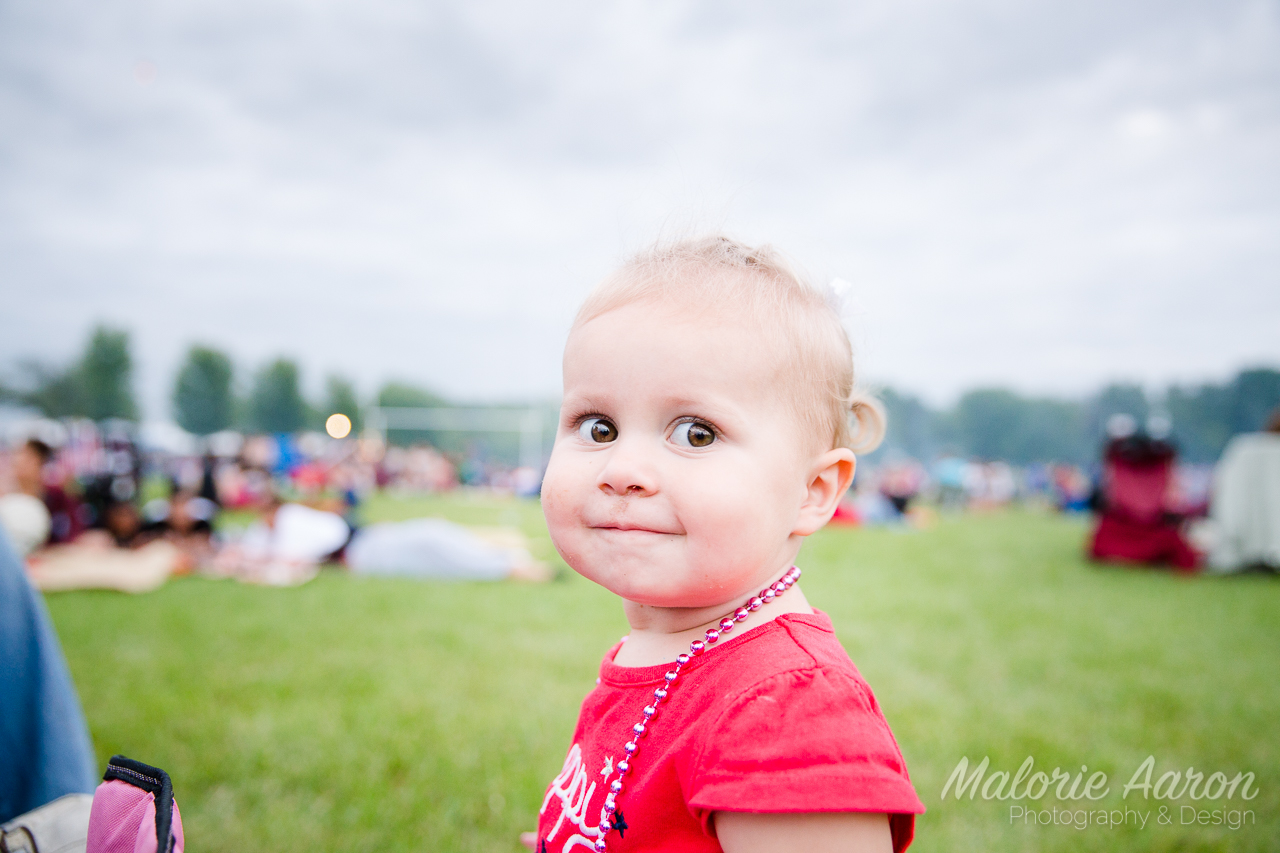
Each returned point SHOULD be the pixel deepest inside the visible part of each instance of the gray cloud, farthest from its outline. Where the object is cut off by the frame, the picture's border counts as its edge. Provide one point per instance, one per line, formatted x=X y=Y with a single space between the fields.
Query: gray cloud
x=1043 y=196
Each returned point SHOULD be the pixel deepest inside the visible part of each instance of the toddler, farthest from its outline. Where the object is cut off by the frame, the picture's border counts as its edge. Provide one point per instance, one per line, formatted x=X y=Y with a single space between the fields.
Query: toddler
x=709 y=425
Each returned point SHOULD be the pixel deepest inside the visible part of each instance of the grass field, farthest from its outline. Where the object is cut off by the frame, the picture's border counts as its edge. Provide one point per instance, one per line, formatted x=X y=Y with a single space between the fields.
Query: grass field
x=373 y=714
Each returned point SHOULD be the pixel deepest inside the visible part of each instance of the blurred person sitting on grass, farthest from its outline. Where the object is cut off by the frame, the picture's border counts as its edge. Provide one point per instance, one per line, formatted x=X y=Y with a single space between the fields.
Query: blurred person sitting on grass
x=708 y=427
x=1246 y=503
x=184 y=519
x=30 y=464
x=120 y=551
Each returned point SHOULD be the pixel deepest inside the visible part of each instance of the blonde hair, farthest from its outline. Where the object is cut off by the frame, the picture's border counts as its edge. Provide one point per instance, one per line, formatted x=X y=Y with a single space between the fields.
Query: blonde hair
x=711 y=273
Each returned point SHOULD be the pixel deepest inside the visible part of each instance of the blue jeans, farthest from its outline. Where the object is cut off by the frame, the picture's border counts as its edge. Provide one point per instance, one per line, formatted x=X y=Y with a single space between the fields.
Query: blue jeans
x=45 y=750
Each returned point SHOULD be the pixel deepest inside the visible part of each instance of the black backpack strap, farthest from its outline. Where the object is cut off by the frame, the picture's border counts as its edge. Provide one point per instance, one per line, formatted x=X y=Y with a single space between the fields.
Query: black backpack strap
x=151 y=779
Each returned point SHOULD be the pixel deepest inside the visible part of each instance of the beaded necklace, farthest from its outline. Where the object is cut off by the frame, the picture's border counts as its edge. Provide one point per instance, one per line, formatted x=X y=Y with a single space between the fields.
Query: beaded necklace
x=660 y=695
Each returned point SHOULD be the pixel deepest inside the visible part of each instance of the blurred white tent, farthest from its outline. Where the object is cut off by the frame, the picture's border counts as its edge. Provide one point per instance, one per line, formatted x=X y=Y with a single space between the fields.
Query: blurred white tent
x=168 y=437
x=225 y=444
x=27 y=423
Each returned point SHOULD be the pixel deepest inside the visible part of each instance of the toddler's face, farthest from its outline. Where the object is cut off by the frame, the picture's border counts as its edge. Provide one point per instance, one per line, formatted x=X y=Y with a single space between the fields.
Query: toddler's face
x=679 y=468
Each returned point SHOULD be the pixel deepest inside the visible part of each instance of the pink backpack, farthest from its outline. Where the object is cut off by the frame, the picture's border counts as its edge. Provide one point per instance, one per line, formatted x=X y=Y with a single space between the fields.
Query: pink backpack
x=134 y=811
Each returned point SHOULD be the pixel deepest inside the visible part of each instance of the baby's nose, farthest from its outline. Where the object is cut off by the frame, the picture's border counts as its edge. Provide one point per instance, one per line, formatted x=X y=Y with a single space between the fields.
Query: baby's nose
x=627 y=473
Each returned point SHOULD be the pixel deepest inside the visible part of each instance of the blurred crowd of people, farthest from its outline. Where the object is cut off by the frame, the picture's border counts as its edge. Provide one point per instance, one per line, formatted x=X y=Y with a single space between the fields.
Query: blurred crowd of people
x=1148 y=507
x=903 y=489
x=77 y=494
x=311 y=465
x=100 y=505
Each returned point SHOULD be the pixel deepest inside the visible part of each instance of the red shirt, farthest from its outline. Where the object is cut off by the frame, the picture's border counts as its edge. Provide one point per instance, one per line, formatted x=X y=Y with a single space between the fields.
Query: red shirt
x=65 y=523
x=774 y=720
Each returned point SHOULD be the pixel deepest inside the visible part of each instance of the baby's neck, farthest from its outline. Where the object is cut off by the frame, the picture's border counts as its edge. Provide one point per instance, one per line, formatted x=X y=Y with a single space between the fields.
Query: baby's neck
x=658 y=634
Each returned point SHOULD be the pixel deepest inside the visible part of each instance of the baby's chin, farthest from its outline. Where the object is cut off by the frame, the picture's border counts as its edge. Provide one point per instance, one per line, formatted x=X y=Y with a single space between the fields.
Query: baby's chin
x=658 y=591
x=663 y=570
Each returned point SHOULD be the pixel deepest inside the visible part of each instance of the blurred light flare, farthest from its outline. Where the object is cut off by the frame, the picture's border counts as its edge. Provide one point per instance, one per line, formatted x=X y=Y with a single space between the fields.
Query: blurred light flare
x=338 y=425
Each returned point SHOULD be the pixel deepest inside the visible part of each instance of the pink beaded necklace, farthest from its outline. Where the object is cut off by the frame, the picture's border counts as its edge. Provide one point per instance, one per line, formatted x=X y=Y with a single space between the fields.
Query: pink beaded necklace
x=696 y=648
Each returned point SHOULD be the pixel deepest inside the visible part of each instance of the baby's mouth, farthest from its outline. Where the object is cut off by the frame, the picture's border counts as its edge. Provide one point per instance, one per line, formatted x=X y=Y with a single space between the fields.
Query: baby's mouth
x=623 y=527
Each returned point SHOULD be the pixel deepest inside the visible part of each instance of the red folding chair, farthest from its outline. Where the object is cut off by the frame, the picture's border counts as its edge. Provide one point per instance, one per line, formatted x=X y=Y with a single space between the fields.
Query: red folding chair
x=1137 y=524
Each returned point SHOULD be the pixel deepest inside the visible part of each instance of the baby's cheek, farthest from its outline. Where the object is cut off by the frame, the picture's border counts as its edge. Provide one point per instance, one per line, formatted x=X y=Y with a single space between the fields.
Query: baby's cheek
x=560 y=509
x=555 y=508
x=724 y=528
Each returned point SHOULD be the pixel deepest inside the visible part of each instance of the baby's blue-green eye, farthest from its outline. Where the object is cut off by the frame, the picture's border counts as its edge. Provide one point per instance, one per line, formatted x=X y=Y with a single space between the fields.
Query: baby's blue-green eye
x=598 y=430
x=693 y=434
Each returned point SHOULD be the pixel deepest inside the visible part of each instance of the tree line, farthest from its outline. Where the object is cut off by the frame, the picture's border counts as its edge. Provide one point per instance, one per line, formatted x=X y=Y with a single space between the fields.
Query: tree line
x=990 y=423
x=995 y=423
x=205 y=398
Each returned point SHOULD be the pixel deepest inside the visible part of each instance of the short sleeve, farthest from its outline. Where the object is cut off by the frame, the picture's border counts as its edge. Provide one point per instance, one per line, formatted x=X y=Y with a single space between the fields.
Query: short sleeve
x=810 y=740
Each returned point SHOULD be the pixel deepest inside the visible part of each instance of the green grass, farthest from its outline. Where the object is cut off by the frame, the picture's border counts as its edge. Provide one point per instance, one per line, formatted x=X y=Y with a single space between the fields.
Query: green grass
x=376 y=714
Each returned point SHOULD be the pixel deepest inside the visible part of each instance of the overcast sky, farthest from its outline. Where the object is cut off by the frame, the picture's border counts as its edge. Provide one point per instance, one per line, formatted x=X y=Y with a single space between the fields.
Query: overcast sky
x=1046 y=196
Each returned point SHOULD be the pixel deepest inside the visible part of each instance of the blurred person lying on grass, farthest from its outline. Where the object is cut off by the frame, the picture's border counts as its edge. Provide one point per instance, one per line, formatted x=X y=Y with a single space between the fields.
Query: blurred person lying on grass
x=288 y=542
x=709 y=425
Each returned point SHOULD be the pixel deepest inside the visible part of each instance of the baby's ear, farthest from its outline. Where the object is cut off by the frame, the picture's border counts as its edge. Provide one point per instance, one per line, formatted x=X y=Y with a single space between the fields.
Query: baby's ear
x=829 y=479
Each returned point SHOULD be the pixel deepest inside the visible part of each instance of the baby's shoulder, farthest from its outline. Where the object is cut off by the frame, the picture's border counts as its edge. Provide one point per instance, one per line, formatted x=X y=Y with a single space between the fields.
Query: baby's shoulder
x=796 y=729
x=800 y=652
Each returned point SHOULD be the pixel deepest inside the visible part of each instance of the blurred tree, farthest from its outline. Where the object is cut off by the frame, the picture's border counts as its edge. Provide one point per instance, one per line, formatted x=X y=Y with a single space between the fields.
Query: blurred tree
x=987 y=420
x=56 y=393
x=1054 y=431
x=401 y=394
x=202 y=399
x=945 y=430
x=106 y=376
x=1207 y=416
x=995 y=423
x=1255 y=394
x=340 y=397
x=98 y=385
x=276 y=403
x=998 y=424
x=1201 y=420
x=911 y=427
x=1116 y=399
